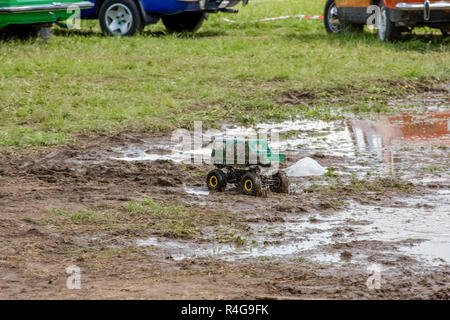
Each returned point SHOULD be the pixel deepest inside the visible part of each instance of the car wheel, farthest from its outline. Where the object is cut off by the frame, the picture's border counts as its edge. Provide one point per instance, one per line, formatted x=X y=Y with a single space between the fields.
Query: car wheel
x=334 y=25
x=184 y=22
x=387 y=31
x=445 y=32
x=216 y=180
x=331 y=18
x=251 y=184
x=120 y=18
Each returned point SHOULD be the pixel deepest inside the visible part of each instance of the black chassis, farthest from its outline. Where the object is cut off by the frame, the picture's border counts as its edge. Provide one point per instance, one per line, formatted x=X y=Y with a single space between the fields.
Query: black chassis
x=234 y=175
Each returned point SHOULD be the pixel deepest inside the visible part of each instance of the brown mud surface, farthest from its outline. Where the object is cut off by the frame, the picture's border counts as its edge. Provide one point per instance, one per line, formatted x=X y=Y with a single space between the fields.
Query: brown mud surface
x=140 y=224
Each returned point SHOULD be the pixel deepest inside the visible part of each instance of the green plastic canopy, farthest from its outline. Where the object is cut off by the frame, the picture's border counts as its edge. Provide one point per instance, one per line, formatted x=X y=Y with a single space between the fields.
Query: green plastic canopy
x=236 y=152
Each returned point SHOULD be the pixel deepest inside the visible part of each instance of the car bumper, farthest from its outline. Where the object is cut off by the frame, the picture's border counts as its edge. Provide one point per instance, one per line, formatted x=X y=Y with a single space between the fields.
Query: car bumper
x=421 y=6
x=421 y=13
x=55 y=6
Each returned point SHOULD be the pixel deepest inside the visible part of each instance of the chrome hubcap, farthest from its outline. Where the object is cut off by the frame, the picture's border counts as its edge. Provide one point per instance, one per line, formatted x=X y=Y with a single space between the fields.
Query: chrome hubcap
x=118 y=19
x=333 y=18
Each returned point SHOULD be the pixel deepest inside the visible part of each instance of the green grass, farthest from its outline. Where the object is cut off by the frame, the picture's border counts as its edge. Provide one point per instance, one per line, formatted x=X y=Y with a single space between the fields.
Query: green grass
x=356 y=185
x=169 y=220
x=148 y=217
x=83 y=216
x=177 y=221
x=433 y=169
x=80 y=81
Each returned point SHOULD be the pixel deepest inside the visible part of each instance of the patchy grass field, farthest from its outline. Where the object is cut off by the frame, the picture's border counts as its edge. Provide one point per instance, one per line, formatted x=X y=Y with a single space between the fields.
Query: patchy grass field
x=144 y=218
x=81 y=81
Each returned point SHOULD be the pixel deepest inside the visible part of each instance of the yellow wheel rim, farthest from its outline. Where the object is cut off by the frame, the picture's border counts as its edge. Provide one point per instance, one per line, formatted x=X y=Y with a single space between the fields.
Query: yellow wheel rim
x=213 y=181
x=248 y=185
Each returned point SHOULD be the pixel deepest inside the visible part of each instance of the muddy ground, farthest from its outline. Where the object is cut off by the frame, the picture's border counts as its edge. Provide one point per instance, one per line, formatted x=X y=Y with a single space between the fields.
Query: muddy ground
x=141 y=224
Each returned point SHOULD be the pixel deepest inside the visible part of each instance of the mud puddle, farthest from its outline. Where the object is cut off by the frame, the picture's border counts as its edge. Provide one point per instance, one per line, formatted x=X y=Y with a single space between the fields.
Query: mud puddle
x=196 y=191
x=365 y=231
x=179 y=250
x=415 y=226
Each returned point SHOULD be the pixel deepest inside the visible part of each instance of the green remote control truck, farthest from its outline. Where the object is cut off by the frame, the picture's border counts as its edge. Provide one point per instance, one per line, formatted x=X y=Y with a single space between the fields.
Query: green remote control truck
x=249 y=164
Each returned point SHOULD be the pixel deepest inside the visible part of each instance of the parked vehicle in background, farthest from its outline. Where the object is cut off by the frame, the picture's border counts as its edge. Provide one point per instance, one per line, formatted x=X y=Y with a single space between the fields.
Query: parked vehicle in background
x=128 y=17
x=395 y=16
x=25 y=17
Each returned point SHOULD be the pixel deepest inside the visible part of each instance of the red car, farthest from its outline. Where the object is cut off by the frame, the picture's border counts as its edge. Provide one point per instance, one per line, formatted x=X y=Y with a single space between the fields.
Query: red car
x=391 y=17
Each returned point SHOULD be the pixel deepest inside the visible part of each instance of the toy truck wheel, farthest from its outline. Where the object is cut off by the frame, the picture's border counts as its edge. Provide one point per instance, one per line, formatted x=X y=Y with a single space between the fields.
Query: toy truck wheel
x=387 y=30
x=281 y=184
x=183 y=22
x=120 y=18
x=216 y=180
x=251 y=184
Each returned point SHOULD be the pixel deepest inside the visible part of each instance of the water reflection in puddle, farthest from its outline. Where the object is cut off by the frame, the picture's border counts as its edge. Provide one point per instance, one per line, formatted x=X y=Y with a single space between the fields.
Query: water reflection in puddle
x=197 y=191
x=436 y=252
x=389 y=134
x=424 y=218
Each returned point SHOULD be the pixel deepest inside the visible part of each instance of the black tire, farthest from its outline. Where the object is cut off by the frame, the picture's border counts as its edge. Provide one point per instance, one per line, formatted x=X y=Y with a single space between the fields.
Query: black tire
x=334 y=25
x=281 y=183
x=251 y=184
x=330 y=17
x=216 y=180
x=21 y=32
x=128 y=21
x=184 y=21
x=387 y=31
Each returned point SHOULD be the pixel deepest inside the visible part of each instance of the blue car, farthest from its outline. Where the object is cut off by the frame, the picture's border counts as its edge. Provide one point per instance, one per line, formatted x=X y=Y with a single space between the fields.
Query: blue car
x=128 y=17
